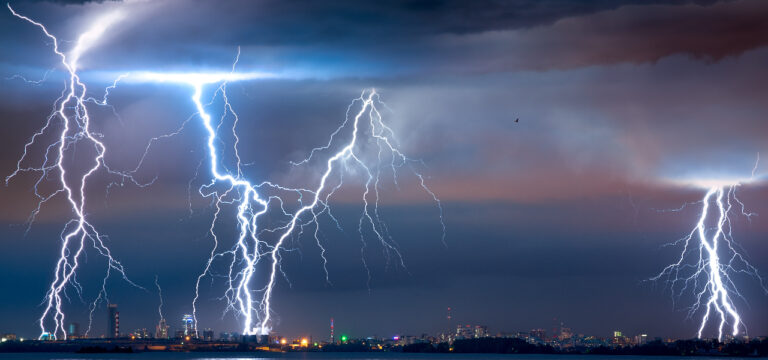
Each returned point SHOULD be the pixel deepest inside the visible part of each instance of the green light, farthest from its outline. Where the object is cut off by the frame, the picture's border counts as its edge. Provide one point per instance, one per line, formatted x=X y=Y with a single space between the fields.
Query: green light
x=343 y=338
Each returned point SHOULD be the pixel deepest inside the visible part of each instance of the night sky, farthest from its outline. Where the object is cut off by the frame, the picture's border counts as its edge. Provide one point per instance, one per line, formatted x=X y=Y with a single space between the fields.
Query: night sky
x=624 y=107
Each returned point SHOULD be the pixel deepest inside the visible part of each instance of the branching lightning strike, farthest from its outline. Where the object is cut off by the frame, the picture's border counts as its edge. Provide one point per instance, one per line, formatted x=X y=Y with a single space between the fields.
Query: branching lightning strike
x=250 y=249
x=709 y=260
x=297 y=207
x=71 y=114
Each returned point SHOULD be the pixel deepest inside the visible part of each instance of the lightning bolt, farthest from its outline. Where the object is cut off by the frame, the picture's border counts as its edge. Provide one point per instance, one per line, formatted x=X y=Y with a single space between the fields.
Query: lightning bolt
x=255 y=305
x=371 y=151
x=709 y=260
x=161 y=327
x=71 y=115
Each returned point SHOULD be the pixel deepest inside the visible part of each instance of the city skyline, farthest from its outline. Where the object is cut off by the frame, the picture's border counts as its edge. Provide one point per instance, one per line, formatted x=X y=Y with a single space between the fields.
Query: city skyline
x=264 y=167
x=559 y=334
x=556 y=331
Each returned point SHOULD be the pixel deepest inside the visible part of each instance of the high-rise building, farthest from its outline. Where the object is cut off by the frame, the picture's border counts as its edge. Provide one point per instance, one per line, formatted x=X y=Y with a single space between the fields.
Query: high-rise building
x=141 y=334
x=481 y=331
x=331 y=330
x=113 y=321
x=565 y=333
x=619 y=339
x=188 y=324
x=208 y=334
x=539 y=334
x=463 y=332
x=471 y=332
x=161 y=331
x=73 y=331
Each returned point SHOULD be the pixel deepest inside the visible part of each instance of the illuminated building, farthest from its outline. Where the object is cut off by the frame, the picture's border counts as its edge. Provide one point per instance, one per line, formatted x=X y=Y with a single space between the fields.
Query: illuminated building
x=73 y=331
x=208 y=334
x=141 y=334
x=471 y=332
x=619 y=339
x=481 y=331
x=463 y=332
x=565 y=333
x=539 y=334
x=188 y=324
x=161 y=331
x=113 y=321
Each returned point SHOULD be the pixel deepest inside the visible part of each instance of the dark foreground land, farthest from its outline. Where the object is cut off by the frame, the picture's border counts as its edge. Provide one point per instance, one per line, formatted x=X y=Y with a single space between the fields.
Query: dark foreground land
x=754 y=348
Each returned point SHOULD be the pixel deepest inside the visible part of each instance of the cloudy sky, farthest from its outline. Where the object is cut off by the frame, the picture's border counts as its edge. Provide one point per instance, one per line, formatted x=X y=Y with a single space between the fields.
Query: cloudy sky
x=626 y=108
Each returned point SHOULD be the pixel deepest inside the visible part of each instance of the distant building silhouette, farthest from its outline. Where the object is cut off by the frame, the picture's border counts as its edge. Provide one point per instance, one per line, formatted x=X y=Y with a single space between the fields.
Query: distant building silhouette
x=471 y=332
x=161 y=331
x=113 y=321
x=73 y=331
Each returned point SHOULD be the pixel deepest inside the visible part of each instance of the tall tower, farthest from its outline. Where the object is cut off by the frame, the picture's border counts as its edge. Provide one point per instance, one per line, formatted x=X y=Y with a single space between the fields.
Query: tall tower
x=331 y=330
x=189 y=326
x=161 y=332
x=113 y=321
x=73 y=331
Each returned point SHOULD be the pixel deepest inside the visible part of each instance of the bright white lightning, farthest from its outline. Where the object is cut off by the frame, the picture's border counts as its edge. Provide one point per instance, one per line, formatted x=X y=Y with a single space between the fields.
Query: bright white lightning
x=71 y=111
x=161 y=322
x=709 y=260
x=195 y=79
x=254 y=305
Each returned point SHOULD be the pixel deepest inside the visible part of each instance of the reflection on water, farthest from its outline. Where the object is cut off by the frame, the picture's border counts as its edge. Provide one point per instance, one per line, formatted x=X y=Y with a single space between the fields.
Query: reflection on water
x=325 y=356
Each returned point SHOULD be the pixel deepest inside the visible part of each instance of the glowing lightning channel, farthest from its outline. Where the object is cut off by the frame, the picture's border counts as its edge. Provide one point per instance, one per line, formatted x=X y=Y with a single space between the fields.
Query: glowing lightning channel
x=70 y=108
x=255 y=305
x=706 y=270
x=161 y=322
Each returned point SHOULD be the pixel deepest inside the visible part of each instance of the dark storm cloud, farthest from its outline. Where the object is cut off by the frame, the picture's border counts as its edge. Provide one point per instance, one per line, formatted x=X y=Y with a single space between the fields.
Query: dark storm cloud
x=459 y=37
x=391 y=38
x=272 y=22
x=631 y=34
